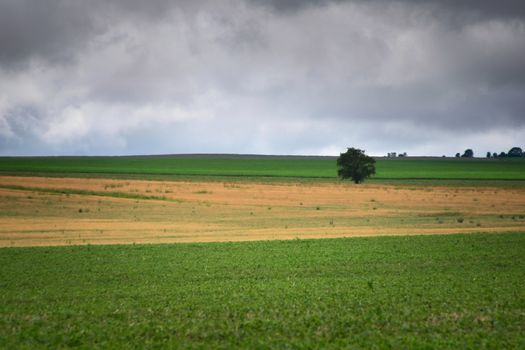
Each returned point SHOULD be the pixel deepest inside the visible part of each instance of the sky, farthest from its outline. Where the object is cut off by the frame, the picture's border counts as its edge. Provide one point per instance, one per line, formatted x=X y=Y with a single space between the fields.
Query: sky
x=120 y=77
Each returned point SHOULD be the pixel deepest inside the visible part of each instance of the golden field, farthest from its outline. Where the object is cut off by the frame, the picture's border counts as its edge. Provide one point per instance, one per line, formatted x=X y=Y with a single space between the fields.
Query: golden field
x=37 y=211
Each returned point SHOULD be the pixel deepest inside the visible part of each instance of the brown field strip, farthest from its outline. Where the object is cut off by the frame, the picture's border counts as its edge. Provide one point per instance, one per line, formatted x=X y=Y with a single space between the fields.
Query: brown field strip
x=37 y=211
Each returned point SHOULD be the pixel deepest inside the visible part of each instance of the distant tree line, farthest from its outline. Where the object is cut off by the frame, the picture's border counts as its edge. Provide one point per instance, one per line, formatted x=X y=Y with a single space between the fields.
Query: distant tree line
x=394 y=154
x=513 y=152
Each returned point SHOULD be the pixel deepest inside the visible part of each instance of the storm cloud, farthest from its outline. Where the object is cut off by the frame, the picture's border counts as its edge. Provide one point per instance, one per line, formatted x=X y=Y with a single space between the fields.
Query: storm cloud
x=252 y=76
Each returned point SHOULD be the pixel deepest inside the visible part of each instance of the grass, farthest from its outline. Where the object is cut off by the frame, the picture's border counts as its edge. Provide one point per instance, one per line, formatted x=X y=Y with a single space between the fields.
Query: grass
x=406 y=169
x=456 y=291
x=89 y=193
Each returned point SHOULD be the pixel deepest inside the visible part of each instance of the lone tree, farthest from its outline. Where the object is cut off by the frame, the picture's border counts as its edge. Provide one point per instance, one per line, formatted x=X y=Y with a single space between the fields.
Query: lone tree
x=355 y=164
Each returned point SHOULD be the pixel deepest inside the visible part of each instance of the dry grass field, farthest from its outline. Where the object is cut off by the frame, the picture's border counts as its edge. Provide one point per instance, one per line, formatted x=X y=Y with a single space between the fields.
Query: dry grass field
x=70 y=211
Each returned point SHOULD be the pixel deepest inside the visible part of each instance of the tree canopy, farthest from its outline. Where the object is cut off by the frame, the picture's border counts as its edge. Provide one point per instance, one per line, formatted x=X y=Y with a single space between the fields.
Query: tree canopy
x=515 y=152
x=355 y=164
x=468 y=153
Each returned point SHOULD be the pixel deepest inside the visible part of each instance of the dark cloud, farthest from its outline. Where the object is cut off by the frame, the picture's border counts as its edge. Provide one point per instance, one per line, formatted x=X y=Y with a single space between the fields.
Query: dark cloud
x=55 y=30
x=288 y=6
x=48 y=28
x=128 y=76
x=484 y=8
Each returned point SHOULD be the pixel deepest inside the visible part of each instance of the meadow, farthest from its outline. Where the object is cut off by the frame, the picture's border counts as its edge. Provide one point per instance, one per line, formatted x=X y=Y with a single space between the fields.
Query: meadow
x=441 y=292
x=267 y=166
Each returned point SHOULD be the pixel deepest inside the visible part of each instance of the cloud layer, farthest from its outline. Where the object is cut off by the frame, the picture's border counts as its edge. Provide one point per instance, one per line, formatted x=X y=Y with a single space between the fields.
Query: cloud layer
x=248 y=76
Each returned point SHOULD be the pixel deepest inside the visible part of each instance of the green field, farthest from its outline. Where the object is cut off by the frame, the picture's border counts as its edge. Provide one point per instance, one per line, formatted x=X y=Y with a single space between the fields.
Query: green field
x=176 y=165
x=455 y=291
x=267 y=166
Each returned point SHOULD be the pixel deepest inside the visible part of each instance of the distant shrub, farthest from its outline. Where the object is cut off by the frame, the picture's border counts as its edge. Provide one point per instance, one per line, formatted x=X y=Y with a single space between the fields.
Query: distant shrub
x=468 y=153
x=202 y=192
x=515 y=152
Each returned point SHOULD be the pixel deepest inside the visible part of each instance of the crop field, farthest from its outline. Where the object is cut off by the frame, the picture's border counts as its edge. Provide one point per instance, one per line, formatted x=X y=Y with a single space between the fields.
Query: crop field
x=266 y=166
x=440 y=292
x=273 y=259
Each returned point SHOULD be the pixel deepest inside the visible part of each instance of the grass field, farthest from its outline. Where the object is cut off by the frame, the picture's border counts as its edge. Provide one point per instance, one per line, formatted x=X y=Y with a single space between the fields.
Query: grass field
x=268 y=166
x=457 y=291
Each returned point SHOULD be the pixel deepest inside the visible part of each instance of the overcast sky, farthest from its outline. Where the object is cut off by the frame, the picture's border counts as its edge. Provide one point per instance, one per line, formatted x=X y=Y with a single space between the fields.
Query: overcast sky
x=267 y=77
